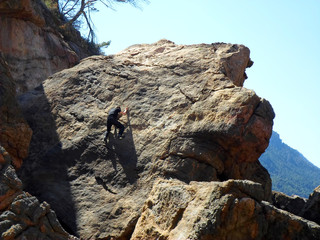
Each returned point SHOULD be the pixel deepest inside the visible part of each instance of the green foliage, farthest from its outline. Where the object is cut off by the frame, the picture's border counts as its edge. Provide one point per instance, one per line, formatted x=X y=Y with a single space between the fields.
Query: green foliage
x=50 y=4
x=54 y=19
x=290 y=171
x=71 y=34
x=102 y=45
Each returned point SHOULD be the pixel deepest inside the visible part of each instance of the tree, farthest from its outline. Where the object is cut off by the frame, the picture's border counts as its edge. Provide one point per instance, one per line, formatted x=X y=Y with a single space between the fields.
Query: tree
x=78 y=12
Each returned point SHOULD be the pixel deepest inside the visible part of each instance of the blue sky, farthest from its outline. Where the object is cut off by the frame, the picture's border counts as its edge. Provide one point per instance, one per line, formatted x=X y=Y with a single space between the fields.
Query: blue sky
x=283 y=37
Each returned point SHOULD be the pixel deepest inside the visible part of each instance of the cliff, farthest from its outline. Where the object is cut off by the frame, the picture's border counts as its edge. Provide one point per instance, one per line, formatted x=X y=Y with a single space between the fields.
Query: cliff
x=15 y=133
x=32 y=43
x=31 y=49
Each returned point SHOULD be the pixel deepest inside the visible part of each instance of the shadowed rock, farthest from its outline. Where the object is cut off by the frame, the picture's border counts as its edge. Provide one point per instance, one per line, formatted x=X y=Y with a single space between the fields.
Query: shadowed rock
x=15 y=134
x=292 y=204
x=306 y=208
x=22 y=216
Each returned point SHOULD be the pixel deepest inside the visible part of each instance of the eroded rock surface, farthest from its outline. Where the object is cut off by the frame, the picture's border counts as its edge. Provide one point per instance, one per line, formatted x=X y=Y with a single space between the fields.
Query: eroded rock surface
x=307 y=208
x=217 y=210
x=190 y=119
x=312 y=207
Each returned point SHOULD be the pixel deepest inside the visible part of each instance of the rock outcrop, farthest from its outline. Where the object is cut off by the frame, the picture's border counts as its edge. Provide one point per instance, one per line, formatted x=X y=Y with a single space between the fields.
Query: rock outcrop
x=312 y=207
x=22 y=216
x=31 y=43
x=190 y=119
x=306 y=208
x=233 y=209
x=15 y=133
x=292 y=204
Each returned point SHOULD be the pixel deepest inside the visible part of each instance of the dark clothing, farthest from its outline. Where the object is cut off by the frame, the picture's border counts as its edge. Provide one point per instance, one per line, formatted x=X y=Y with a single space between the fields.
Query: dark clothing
x=113 y=113
x=113 y=120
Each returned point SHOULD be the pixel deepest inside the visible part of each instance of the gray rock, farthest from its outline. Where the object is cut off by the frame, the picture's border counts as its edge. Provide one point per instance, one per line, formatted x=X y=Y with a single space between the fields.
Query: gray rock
x=312 y=207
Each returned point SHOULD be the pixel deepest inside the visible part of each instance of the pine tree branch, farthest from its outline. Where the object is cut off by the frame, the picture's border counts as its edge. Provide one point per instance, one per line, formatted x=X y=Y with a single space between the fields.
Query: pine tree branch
x=71 y=8
x=78 y=14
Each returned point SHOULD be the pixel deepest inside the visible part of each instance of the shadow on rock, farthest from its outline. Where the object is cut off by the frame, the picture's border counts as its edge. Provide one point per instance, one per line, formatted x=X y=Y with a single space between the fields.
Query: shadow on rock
x=123 y=150
x=44 y=172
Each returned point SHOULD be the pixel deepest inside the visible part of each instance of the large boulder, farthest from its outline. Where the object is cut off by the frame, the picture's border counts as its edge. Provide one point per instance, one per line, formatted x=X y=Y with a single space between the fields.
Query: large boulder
x=190 y=118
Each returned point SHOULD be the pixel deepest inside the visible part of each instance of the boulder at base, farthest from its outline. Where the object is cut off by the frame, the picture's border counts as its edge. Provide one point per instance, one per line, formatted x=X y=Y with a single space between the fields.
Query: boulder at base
x=22 y=216
x=217 y=210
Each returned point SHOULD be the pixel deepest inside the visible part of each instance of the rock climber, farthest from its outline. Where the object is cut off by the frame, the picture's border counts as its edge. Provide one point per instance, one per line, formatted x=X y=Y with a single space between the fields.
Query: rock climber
x=113 y=116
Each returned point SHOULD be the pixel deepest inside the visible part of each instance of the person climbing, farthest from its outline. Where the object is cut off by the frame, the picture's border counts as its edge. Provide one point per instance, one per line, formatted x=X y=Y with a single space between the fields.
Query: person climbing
x=113 y=116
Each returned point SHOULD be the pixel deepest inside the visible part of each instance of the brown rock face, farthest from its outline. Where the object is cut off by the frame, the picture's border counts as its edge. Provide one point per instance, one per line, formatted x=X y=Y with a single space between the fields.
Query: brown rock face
x=32 y=47
x=312 y=207
x=15 y=134
x=190 y=119
x=27 y=10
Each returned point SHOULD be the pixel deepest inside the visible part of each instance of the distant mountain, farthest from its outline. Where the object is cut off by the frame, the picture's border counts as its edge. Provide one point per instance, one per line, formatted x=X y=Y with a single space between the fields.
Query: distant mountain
x=290 y=171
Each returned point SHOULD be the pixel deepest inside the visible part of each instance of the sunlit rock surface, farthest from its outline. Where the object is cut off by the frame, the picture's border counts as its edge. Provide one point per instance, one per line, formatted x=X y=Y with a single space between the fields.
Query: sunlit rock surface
x=233 y=209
